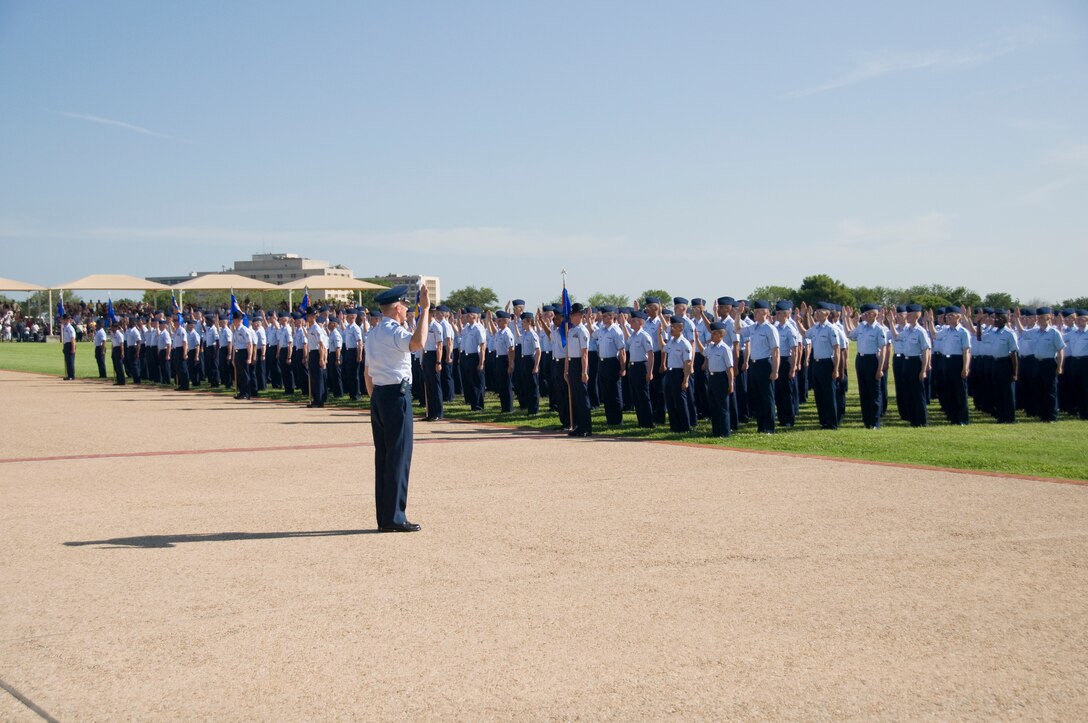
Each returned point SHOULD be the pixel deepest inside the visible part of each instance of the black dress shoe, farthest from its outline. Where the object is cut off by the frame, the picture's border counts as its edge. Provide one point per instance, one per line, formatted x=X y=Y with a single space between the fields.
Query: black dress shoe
x=311 y=405
x=406 y=527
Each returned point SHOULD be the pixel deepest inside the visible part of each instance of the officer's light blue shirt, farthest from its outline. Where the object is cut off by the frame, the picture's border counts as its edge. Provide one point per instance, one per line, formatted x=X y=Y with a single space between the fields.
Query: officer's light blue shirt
x=956 y=340
x=530 y=342
x=825 y=340
x=639 y=346
x=388 y=359
x=788 y=339
x=719 y=357
x=435 y=335
x=117 y=339
x=1077 y=343
x=651 y=326
x=677 y=351
x=336 y=340
x=471 y=338
x=100 y=337
x=193 y=338
x=871 y=338
x=504 y=341
x=1048 y=343
x=1003 y=342
x=577 y=340
x=763 y=338
x=610 y=341
x=915 y=340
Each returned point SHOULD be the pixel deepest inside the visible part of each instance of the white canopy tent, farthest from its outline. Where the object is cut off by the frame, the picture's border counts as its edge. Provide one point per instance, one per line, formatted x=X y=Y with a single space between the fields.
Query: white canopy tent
x=328 y=282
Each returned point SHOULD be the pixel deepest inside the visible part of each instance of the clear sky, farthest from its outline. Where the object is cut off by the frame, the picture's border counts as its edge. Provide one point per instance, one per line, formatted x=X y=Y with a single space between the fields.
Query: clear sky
x=701 y=147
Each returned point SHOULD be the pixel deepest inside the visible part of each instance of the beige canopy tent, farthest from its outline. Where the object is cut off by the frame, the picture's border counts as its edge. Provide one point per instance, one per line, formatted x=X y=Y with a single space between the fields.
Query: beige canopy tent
x=327 y=282
x=218 y=282
x=13 y=285
x=112 y=282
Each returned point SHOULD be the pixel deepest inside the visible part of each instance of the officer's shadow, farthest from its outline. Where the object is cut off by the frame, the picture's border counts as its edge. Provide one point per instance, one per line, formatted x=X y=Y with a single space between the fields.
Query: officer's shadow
x=159 y=541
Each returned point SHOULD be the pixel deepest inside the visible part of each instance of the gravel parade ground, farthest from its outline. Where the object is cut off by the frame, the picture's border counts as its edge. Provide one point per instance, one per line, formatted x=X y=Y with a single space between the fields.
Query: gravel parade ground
x=180 y=556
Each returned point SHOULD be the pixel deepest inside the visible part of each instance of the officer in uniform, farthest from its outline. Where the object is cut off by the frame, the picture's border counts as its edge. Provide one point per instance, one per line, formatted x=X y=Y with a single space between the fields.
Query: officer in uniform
x=678 y=362
x=1077 y=364
x=718 y=365
x=432 y=369
x=211 y=350
x=317 y=346
x=954 y=342
x=789 y=360
x=179 y=352
x=298 y=353
x=334 y=360
x=164 y=344
x=504 y=347
x=701 y=339
x=765 y=356
x=388 y=379
x=611 y=365
x=916 y=350
x=529 y=362
x=226 y=342
x=242 y=354
x=100 y=348
x=445 y=377
x=577 y=374
x=132 y=349
x=872 y=341
x=1004 y=348
x=353 y=354
x=473 y=352
x=1049 y=356
x=825 y=366
x=117 y=351
x=192 y=342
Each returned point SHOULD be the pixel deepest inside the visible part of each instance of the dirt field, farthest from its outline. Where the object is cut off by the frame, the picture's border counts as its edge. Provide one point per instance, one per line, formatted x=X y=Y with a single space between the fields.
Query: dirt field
x=173 y=555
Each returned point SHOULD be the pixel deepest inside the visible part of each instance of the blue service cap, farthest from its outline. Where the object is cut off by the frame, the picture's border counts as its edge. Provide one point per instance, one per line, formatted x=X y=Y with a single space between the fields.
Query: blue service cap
x=333 y=319
x=698 y=302
x=900 y=308
x=576 y=308
x=527 y=315
x=679 y=300
x=474 y=310
x=1027 y=312
x=188 y=320
x=742 y=301
x=718 y=326
x=987 y=310
x=827 y=306
x=350 y=311
x=375 y=314
x=1003 y=312
x=606 y=309
x=652 y=300
x=1082 y=312
x=283 y=315
x=518 y=302
x=761 y=304
x=625 y=309
x=914 y=307
x=951 y=310
x=639 y=314
x=783 y=305
x=726 y=301
x=678 y=319
x=870 y=307
x=390 y=296
x=502 y=314
x=442 y=307
x=296 y=315
x=1068 y=311
x=1044 y=310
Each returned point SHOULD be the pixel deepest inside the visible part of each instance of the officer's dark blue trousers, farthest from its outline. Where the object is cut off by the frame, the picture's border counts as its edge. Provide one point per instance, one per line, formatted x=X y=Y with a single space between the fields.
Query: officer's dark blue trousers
x=698 y=378
x=417 y=381
x=1025 y=382
x=445 y=381
x=147 y=360
x=657 y=389
x=591 y=385
x=118 y=365
x=211 y=365
x=241 y=372
x=1077 y=369
x=298 y=371
x=455 y=372
x=915 y=391
x=900 y=389
x=391 y=426
x=1004 y=390
x=608 y=389
x=431 y=388
x=823 y=388
x=335 y=377
x=100 y=359
x=545 y=373
x=504 y=383
x=559 y=397
x=640 y=394
x=133 y=364
x=939 y=375
x=194 y=365
x=954 y=388
x=260 y=383
x=165 y=374
x=1046 y=375
x=676 y=401
x=226 y=366
x=868 y=389
x=841 y=387
x=718 y=399
x=351 y=373
x=761 y=394
x=740 y=388
x=286 y=375
x=181 y=368
x=530 y=384
x=472 y=381
x=581 y=422
x=272 y=366
x=785 y=397
x=317 y=378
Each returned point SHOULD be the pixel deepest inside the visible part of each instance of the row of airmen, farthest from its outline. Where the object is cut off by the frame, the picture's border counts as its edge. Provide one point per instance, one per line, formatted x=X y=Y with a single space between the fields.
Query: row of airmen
x=730 y=365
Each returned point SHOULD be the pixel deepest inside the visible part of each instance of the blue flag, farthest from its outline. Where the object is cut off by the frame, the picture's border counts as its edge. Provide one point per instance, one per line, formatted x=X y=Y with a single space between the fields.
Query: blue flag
x=305 y=301
x=235 y=309
x=175 y=308
x=110 y=315
x=565 y=324
x=60 y=308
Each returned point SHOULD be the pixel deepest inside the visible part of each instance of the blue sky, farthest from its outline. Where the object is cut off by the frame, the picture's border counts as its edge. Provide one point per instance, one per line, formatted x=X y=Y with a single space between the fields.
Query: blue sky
x=704 y=148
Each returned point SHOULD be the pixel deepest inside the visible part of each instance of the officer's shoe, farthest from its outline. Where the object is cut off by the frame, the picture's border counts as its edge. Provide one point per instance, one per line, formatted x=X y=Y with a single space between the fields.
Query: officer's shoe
x=405 y=527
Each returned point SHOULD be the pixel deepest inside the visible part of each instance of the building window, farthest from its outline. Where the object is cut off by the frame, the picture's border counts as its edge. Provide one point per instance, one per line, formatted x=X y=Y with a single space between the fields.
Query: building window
x=279 y=276
x=266 y=276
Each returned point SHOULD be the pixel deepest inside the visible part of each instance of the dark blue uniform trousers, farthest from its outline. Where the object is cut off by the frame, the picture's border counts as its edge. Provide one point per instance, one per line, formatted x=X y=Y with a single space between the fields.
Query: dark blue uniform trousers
x=431 y=385
x=317 y=379
x=100 y=358
x=226 y=366
x=242 y=372
x=868 y=389
x=954 y=388
x=286 y=375
x=530 y=384
x=118 y=365
x=640 y=394
x=472 y=381
x=914 y=391
x=391 y=425
x=676 y=399
x=761 y=394
x=608 y=384
x=823 y=388
x=581 y=422
x=717 y=387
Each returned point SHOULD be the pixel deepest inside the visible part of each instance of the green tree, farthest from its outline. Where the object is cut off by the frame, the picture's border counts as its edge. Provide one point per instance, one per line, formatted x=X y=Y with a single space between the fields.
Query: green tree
x=822 y=287
x=666 y=297
x=999 y=300
x=773 y=293
x=930 y=301
x=1078 y=303
x=600 y=299
x=483 y=297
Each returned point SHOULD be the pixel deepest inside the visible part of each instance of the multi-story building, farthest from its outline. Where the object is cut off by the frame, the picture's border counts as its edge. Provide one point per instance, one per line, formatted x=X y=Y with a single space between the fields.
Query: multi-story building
x=283 y=268
x=413 y=282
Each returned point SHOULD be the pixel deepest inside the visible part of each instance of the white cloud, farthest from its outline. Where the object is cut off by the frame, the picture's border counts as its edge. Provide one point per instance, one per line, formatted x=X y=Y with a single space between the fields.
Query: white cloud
x=115 y=123
x=876 y=65
x=926 y=230
x=1042 y=194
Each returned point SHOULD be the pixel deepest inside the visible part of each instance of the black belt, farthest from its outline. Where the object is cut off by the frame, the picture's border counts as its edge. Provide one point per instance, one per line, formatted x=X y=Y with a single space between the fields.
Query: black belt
x=714 y=374
x=866 y=356
x=900 y=356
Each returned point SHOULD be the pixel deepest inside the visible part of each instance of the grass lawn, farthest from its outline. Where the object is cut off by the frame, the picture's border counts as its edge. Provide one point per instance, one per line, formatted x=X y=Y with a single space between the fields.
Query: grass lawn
x=1029 y=447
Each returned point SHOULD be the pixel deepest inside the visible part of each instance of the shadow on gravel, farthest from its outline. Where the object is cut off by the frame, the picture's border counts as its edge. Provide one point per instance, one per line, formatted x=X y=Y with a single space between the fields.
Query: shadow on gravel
x=158 y=541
